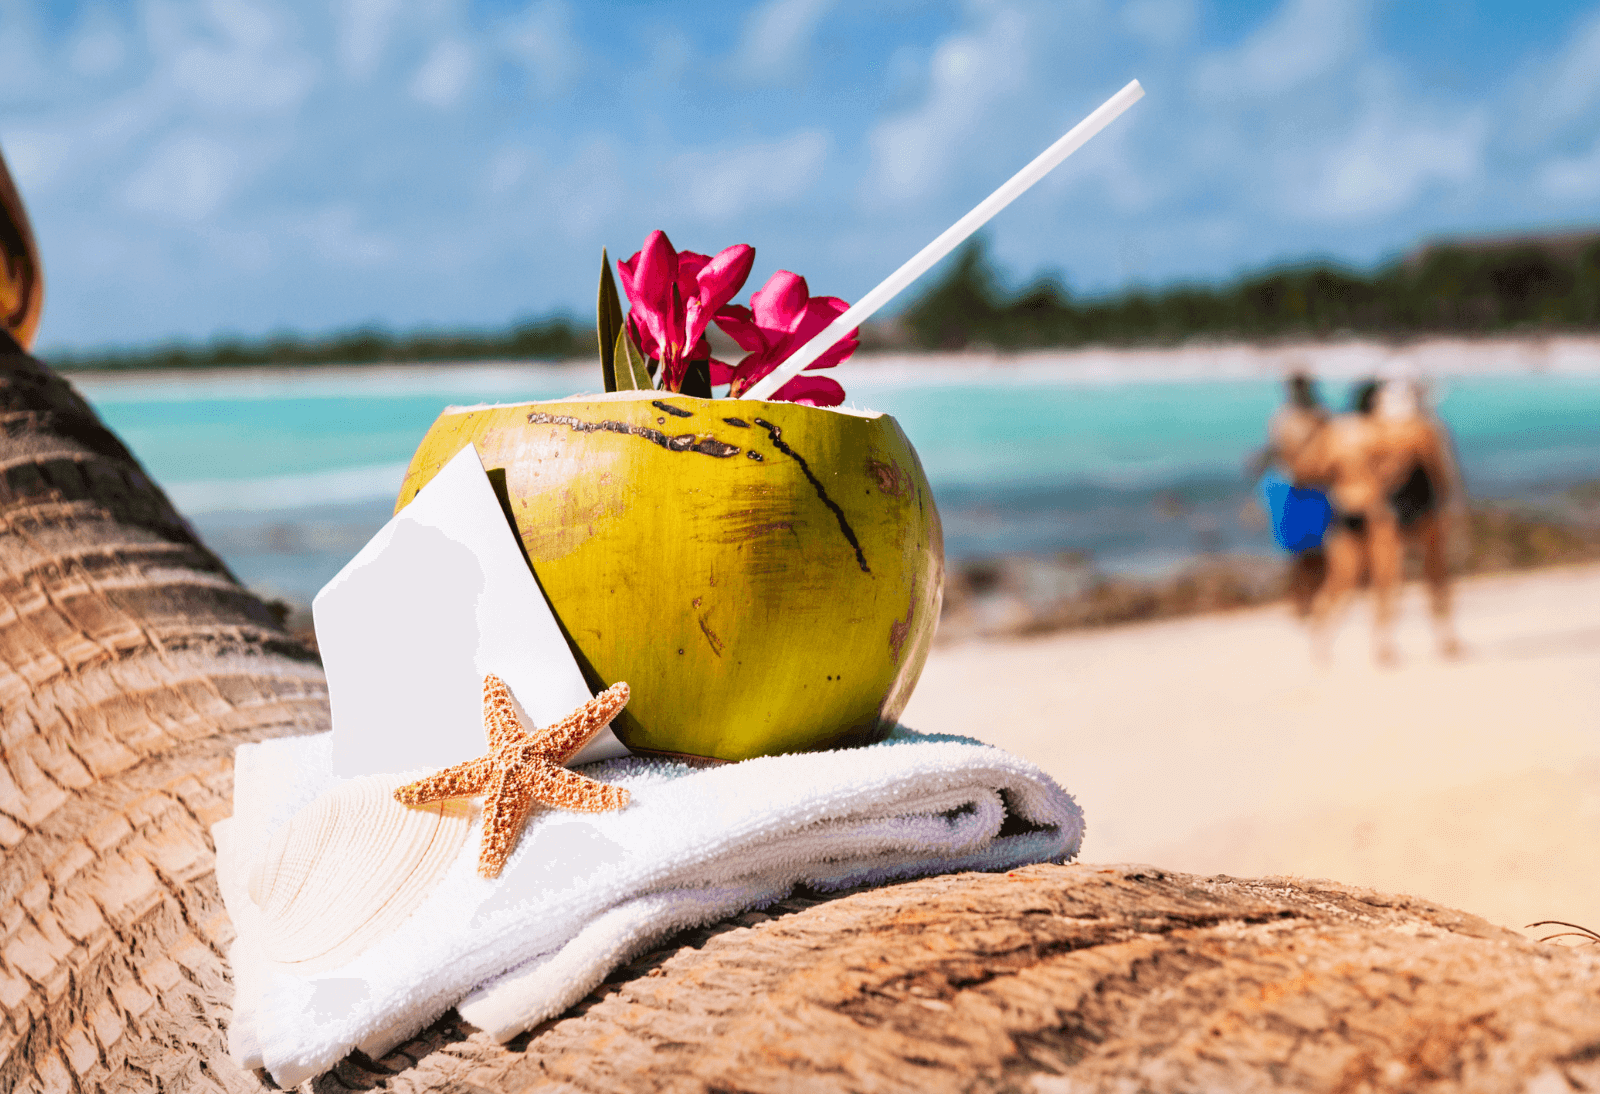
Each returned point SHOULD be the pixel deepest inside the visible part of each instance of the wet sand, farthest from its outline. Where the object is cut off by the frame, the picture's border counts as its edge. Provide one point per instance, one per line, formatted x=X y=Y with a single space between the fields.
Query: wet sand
x=1215 y=745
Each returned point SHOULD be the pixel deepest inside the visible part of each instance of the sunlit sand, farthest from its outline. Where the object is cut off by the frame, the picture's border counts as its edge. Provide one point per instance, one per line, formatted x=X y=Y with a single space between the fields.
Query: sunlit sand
x=1214 y=745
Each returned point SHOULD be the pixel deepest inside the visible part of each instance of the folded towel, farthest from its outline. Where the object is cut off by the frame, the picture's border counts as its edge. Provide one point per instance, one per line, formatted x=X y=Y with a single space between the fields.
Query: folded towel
x=583 y=893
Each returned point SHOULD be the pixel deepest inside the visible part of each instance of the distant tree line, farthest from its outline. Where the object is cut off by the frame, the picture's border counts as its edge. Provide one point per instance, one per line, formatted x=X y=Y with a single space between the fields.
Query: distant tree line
x=1547 y=283
x=555 y=338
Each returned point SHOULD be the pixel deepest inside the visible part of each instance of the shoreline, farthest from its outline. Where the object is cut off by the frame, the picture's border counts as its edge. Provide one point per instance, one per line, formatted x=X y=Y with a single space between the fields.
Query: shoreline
x=1018 y=595
x=1534 y=355
x=1215 y=744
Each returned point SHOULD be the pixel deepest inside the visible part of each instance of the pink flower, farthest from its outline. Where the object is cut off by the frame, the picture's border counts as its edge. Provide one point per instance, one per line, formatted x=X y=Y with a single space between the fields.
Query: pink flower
x=784 y=316
x=673 y=297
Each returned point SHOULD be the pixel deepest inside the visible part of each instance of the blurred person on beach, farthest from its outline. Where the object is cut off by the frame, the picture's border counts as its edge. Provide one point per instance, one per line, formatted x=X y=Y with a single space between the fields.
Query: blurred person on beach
x=1352 y=458
x=1299 y=515
x=1425 y=489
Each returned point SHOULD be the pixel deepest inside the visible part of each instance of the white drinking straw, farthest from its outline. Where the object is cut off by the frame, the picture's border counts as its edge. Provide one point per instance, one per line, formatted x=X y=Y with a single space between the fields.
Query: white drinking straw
x=952 y=238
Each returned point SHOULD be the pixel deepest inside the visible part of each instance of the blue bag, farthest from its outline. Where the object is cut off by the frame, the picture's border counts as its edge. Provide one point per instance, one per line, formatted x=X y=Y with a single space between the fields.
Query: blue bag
x=1298 y=514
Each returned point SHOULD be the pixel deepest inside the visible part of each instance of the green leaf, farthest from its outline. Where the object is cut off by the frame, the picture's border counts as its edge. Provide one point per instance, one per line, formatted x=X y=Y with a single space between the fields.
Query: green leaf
x=608 y=322
x=632 y=371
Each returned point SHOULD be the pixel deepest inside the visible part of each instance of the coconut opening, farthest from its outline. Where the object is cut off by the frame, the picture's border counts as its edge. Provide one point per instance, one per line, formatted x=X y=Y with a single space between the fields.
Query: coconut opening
x=636 y=396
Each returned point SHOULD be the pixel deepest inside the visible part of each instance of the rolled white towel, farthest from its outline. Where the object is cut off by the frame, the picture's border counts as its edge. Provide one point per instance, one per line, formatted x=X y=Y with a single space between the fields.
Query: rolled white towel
x=583 y=893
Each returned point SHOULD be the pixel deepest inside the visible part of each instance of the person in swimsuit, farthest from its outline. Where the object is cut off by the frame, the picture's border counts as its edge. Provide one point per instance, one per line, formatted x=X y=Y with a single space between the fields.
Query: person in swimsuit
x=1350 y=459
x=1420 y=465
x=1299 y=515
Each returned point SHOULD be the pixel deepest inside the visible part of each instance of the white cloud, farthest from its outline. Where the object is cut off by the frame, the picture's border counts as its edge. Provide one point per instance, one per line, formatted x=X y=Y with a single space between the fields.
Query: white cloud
x=1386 y=164
x=776 y=42
x=229 y=56
x=969 y=74
x=1302 y=41
x=543 y=38
x=24 y=66
x=1572 y=178
x=364 y=29
x=1569 y=88
x=187 y=178
x=443 y=77
x=587 y=193
x=338 y=239
x=724 y=186
x=1161 y=23
x=98 y=46
x=37 y=156
x=507 y=168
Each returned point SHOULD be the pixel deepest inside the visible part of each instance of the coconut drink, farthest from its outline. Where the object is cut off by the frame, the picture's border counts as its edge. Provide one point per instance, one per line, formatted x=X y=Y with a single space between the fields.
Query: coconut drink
x=765 y=574
x=764 y=571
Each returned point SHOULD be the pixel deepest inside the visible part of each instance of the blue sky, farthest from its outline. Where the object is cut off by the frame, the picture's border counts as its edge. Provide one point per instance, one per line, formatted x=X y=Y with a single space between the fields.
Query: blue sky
x=205 y=166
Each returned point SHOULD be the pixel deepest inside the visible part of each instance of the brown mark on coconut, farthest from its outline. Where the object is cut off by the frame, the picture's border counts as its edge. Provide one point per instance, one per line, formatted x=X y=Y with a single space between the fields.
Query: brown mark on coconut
x=901 y=628
x=711 y=635
x=682 y=442
x=892 y=479
x=676 y=411
x=776 y=435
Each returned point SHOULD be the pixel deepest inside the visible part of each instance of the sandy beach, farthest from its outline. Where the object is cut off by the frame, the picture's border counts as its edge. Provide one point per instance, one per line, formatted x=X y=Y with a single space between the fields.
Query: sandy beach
x=1337 y=358
x=1215 y=745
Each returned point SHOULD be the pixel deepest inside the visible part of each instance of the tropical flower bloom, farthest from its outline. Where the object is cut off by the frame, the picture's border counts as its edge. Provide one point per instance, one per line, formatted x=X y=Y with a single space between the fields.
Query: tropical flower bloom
x=783 y=317
x=673 y=296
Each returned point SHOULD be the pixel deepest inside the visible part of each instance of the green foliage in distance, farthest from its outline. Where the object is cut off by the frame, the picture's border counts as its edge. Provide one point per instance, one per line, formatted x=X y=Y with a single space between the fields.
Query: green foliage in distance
x=1548 y=284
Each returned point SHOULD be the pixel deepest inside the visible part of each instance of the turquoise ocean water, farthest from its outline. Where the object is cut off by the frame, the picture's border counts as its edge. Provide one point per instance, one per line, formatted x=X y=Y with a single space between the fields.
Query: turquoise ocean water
x=287 y=476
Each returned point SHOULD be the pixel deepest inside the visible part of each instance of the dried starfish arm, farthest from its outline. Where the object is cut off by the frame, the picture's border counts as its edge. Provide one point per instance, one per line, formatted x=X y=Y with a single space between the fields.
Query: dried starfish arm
x=565 y=738
x=566 y=789
x=505 y=810
x=500 y=721
x=464 y=780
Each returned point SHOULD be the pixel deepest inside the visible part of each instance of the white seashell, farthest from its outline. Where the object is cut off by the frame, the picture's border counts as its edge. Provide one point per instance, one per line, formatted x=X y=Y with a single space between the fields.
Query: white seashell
x=349 y=868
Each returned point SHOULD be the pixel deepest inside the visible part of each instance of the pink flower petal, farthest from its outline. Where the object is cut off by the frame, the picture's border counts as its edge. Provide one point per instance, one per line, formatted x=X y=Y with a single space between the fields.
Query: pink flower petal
x=811 y=390
x=715 y=284
x=738 y=323
x=722 y=278
x=780 y=303
x=648 y=278
x=689 y=266
x=821 y=311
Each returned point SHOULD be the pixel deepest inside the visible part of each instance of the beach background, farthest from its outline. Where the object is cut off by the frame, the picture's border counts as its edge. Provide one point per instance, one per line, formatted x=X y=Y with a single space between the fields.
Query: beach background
x=330 y=221
x=1209 y=744
x=1131 y=461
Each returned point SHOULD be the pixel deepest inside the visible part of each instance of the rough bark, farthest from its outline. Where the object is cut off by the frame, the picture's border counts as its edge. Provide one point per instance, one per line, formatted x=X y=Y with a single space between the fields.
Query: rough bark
x=1058 y=979
x=131 y=664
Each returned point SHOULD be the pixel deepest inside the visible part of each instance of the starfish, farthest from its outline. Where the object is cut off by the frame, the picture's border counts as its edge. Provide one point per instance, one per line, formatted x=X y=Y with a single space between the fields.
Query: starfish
x=523 y=769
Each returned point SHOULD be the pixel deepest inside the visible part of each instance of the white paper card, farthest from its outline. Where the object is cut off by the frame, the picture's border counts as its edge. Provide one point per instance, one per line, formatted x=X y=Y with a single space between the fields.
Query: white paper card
x=440 y=597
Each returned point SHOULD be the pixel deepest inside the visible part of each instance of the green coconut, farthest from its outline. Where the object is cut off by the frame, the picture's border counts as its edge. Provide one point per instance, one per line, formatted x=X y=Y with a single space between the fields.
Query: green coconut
x=765 y=576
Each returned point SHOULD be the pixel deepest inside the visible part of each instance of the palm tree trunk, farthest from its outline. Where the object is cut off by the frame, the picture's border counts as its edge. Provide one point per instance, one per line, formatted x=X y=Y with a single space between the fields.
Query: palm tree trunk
x=131 y=664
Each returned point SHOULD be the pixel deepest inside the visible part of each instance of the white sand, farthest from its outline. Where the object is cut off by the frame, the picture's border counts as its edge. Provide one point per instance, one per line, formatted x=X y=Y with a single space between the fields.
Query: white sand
x=1333 y=359
x=1214 y=745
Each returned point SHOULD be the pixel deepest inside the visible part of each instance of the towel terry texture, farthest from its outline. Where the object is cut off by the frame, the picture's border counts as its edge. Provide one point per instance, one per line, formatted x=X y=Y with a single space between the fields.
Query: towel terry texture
x=583 y=893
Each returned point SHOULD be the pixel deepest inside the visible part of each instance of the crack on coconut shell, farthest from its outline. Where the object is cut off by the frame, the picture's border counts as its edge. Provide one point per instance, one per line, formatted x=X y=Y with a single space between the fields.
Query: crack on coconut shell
x=844 y=525
x=682 y=442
